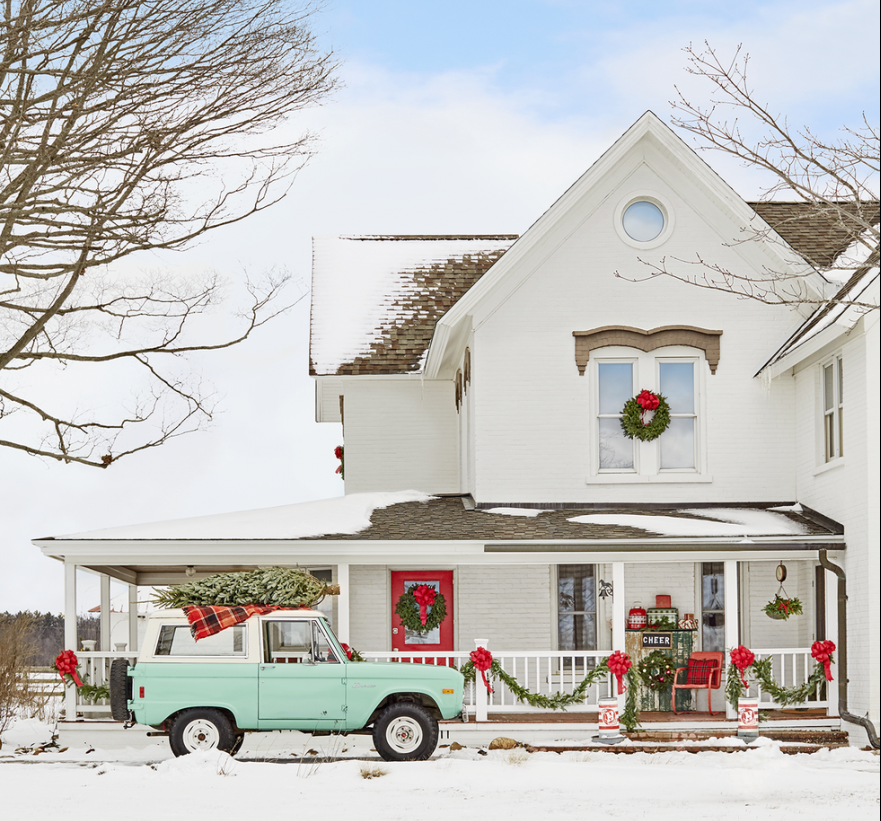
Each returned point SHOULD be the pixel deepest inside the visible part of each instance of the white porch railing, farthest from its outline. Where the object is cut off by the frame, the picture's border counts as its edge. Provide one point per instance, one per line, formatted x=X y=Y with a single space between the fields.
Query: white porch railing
x=95 y=668
x=543 y=671
x=791 y=667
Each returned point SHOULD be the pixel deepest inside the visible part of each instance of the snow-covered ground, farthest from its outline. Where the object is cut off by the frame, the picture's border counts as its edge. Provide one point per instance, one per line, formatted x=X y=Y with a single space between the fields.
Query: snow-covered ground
x=147 y=783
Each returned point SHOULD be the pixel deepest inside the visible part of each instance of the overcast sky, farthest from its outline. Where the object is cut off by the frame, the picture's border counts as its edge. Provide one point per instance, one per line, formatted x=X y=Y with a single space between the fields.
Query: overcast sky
x=461 y=117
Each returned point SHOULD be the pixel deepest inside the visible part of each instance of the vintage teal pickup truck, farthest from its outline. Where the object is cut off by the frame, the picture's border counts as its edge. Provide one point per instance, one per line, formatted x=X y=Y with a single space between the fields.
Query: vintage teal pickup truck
x=281 y=671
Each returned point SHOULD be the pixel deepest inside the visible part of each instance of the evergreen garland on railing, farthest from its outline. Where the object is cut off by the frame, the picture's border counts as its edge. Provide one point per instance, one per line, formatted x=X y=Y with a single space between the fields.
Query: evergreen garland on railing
x=763 y=673
x=629 y=718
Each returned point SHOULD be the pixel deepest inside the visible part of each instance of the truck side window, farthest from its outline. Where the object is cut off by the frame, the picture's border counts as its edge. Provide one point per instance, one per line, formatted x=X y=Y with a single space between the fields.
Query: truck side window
x=287 y=642
x=177 y=640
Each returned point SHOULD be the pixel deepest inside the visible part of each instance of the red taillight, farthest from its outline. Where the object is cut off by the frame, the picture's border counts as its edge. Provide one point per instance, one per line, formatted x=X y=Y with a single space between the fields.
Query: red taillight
x=140 y=692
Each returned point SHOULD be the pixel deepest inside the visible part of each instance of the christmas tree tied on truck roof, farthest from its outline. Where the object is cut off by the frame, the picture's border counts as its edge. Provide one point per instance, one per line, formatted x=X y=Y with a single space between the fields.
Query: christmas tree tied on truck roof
x=223 y=599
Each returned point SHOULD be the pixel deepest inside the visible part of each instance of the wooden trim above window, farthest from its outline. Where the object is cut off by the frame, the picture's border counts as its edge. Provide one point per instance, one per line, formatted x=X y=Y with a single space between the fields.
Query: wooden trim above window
x=627 y=337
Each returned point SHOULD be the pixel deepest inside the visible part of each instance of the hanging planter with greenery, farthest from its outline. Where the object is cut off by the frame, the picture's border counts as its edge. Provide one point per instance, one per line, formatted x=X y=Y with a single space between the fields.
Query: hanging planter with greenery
x=783 y=608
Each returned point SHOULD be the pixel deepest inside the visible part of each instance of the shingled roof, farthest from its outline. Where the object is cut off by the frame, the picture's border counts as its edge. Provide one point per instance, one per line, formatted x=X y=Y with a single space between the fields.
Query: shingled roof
x=446 y=518
x=400 y=286
x=376 y=299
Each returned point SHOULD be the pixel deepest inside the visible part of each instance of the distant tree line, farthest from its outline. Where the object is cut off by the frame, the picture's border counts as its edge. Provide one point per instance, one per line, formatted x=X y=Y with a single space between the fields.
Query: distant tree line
x=46 y=632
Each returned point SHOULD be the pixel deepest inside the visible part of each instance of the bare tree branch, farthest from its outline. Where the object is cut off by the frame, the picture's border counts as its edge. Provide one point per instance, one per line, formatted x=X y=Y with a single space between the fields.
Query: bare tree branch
x=834 y=183
x=132 y=126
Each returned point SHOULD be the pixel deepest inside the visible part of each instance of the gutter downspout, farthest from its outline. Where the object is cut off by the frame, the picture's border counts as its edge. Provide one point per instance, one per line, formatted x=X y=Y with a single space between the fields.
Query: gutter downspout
x=863 y=721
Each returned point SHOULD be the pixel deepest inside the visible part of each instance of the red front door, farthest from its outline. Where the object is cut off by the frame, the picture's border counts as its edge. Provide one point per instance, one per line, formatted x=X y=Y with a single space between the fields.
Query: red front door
x=439 y=640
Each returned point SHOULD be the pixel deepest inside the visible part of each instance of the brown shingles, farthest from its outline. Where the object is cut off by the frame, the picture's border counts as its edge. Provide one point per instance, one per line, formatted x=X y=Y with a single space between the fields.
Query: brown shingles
x=447 y=519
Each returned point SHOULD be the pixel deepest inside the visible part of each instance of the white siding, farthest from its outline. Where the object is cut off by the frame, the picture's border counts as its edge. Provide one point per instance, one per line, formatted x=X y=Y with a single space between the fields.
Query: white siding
x=848 y=492
x=508 y=606
x=401 y=435
x=370 y=617
x=532 y=408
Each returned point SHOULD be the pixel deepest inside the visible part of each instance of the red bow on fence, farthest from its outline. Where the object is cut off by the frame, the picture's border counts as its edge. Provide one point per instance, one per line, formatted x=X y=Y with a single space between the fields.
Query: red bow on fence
x=482 y=660
x=822 y=652
x=619 y=663
x=742 y=657
x=425 y=597
x=66 y=662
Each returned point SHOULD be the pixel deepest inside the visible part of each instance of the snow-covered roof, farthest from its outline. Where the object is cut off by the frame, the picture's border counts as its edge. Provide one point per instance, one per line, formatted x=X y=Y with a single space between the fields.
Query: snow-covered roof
x=855 y=270
x=343 y=515
x=376 y=299
x=411 y=516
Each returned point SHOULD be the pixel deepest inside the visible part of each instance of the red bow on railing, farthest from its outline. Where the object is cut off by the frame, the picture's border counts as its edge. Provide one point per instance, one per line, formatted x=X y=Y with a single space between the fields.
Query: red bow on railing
x=66 y=662
x=822 y=652
x=425 y=597
x=347 y=650
x=619 y=663
x=742 y=657
x=482 y=660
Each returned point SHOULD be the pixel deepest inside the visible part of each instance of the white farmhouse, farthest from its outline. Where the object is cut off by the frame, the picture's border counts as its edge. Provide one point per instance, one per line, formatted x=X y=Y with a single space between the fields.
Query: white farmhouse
x=481 y=381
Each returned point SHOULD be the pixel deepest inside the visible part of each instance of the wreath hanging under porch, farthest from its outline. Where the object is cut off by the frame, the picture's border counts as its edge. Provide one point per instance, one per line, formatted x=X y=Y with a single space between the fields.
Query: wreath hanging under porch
x=421 y=608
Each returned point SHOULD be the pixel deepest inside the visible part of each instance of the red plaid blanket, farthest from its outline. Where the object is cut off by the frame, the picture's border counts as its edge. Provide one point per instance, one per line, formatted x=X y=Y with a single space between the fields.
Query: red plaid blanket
x=700 y=670
x=210 y=619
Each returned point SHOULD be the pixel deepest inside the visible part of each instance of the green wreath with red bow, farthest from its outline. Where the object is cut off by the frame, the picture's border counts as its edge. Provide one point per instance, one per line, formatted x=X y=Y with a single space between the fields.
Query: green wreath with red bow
x=421 y=608
x=633 y=416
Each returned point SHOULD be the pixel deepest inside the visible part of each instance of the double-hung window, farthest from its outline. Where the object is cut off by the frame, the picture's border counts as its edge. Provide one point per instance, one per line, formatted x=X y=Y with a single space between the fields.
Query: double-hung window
x=833 y=409
x=677 y=449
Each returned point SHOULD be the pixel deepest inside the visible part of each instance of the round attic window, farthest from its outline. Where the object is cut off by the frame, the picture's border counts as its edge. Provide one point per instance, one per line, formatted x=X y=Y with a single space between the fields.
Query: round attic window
x=643 y=221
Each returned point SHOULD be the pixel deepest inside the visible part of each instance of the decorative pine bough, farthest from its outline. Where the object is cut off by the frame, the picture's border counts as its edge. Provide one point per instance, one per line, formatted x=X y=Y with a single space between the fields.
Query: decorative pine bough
x=629 y=717
x=743 y=660
x=279 y=586
x=67 y=665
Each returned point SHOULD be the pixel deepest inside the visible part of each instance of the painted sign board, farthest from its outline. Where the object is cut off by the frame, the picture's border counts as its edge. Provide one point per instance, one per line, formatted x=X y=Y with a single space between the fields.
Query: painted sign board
x=657 y=641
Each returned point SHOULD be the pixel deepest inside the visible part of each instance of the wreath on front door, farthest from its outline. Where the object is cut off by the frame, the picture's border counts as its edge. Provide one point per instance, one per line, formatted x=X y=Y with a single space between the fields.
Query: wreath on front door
x=421 y=608
x=633 y=416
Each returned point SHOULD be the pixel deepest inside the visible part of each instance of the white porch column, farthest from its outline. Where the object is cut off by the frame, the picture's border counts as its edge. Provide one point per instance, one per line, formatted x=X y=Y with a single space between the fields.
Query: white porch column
x=133 y=618
x=105 y=613
x=619 y=606
x=832 y=633
x=619 y=613
x=70 y=633
x=342 y=627
x=732 y=620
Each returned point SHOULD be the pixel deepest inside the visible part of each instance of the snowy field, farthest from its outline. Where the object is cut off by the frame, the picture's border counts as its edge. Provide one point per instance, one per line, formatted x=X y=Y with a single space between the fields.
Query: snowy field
x=134 y=784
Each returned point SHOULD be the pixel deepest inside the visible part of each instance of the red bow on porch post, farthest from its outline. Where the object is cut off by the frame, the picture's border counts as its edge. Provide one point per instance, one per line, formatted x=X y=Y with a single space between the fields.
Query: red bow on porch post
x=482 y=660
x=66 y=662
x=619 y=663
x=742 y=657
x=425 y=597
x=822 y=652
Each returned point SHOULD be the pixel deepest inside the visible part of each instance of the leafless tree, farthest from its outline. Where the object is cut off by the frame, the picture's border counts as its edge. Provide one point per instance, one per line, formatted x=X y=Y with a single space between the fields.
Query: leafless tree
x=131 y=126
x=833 y=182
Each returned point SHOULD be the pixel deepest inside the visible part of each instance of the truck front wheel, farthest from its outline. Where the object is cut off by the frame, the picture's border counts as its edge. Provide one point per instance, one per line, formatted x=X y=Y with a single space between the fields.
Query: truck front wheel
x=201 y=729
x=405 y=732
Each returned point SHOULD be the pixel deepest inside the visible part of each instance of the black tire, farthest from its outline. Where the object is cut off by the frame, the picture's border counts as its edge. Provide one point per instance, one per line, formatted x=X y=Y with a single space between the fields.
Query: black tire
x=203 y=728
x=405 y=732
x=120 y=689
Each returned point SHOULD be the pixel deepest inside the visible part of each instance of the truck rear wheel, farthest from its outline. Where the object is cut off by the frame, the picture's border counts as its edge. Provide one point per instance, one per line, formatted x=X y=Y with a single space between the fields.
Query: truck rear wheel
x=203 y=728
x=120 y=689
x=405 y=732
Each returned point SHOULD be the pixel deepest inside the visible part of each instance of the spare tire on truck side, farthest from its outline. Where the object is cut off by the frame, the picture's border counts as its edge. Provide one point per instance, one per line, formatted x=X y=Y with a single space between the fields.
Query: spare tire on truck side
x=120 y=689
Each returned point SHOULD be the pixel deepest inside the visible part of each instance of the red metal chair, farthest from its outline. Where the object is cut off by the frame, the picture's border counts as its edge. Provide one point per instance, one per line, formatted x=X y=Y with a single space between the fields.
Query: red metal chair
x=704 y=672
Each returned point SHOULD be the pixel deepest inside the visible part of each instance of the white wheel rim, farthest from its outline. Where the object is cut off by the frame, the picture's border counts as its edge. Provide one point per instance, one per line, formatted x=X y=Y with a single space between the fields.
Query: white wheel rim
x=201 y=734
x=404 y=734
